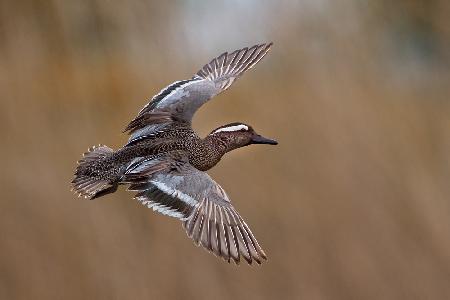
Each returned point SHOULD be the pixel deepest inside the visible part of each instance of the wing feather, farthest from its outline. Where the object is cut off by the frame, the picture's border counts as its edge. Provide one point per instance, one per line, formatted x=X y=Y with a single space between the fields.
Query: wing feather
x=173 y=187
x=180 y=100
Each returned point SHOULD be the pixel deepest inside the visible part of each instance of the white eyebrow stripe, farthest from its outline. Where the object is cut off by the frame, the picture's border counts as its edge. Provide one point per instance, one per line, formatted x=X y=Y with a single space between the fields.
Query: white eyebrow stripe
x=232 y=128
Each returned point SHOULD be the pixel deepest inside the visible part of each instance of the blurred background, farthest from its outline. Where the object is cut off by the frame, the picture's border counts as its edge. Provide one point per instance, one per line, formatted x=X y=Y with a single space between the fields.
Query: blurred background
x=354 y=202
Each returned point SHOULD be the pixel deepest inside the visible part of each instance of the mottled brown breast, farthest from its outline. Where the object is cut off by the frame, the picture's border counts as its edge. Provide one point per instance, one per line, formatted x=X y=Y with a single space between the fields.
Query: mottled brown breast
x=207 y=153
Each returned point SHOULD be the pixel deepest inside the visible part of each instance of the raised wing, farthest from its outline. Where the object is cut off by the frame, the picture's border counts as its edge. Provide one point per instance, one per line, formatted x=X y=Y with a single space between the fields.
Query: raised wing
x=175 y=188
x=181 y=99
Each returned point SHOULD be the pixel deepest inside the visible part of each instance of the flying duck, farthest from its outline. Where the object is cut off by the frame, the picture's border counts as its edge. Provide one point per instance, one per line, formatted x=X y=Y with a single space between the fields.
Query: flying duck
x=164 y=160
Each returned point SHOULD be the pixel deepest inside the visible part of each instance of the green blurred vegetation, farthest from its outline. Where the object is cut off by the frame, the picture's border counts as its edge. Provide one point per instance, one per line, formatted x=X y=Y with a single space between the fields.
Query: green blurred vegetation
x=352 y=204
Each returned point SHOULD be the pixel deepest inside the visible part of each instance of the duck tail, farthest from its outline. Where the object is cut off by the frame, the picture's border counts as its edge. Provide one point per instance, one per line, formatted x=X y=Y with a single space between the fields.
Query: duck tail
x=90 y=182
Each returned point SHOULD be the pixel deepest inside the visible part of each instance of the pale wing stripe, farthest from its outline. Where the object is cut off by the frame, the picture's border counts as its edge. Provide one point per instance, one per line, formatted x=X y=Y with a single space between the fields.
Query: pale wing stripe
x=167 y=92
x=164 y=90
x=158 y=100
x=162 y=209
x=148 y=132
x=175 y=193
x=163 y=100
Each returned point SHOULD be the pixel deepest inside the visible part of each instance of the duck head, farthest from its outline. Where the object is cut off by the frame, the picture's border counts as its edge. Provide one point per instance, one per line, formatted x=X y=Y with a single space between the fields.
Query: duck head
x=236 y=135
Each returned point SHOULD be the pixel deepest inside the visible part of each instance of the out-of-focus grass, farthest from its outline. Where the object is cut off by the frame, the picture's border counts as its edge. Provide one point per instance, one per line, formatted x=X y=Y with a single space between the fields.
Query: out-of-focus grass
x=352 y=204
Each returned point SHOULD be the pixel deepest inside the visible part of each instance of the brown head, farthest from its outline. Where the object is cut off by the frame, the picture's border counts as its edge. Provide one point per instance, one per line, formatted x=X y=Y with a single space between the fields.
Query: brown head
x=236 y=135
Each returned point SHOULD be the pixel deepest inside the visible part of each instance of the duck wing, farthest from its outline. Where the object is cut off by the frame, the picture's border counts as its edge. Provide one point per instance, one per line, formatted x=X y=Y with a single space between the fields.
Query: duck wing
x=172 y=186
x=181 y=99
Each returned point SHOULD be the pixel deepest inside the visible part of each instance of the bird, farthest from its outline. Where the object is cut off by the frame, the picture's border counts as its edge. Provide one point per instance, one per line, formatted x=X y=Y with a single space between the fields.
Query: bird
x=165 y=161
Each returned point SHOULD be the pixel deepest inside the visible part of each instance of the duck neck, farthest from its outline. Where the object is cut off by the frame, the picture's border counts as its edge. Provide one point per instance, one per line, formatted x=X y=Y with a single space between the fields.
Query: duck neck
x=210 y=151
x=221 y=144
x=216 y=145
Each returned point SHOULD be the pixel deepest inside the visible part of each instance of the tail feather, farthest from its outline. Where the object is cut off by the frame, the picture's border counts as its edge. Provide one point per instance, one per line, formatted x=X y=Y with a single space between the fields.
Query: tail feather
x=87 y=182
x=95 y=153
